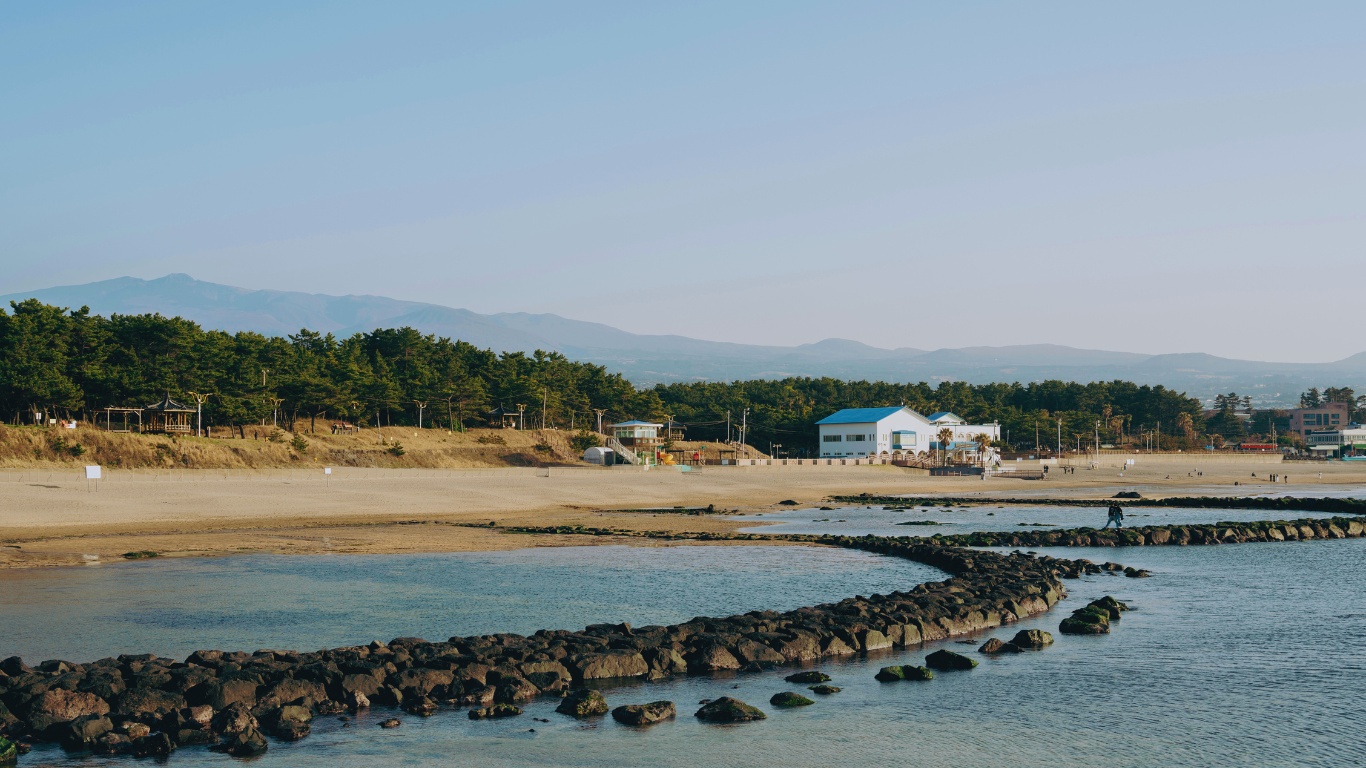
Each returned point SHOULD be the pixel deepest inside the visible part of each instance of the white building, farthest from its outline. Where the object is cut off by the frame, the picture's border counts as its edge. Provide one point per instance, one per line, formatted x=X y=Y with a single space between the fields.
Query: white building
x=1339 y=442
x=861 y=432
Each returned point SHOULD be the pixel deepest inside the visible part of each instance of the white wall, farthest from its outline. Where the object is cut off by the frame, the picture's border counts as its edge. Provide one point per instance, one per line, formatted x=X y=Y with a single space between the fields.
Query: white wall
x=880 y=433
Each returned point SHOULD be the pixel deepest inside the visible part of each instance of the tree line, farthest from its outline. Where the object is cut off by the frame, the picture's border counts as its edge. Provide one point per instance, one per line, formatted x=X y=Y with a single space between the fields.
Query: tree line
x=73 y=364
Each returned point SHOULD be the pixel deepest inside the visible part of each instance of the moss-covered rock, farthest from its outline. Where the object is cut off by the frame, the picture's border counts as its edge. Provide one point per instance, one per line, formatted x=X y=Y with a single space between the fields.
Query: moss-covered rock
x=903 y=672
x=494 y=712
x=728 y=710
x=9 y=752
x=948 y=661
x=790 y=699
x=824 y=690
x=1033 y=639
x=583 y=703
x=644 y=714
x=809 y=676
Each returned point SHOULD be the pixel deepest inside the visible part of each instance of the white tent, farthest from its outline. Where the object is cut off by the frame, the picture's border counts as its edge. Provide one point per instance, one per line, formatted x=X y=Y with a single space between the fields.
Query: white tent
x=596 y=455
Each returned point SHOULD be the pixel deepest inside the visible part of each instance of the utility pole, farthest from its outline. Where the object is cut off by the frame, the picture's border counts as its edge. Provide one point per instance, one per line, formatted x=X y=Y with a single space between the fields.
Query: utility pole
x=275 y=412
x=1059 y=437
x=264 y=371
x=727 y=426
x=521 y=416
x=420 y=407
x=1097 y=441
x=599 y=412
x=744 y=429
x=199 y=398
x=545 y=393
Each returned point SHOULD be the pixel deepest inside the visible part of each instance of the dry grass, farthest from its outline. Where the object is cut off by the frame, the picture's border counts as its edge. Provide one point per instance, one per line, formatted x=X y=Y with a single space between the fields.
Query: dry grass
x=391 y=447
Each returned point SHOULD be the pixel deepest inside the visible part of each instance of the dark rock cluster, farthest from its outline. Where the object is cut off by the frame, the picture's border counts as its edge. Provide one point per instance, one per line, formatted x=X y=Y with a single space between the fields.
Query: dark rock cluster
x=1166 y=535
x=232 y=701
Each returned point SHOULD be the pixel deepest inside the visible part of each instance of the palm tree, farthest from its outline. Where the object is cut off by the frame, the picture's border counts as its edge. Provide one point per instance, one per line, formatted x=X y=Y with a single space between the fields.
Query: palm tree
x=945 y=439
x=983 y=441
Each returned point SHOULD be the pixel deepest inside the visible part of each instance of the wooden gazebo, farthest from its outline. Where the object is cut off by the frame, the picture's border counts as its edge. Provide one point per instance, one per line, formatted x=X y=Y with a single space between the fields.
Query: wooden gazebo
x=168 y=417
x=503 y=417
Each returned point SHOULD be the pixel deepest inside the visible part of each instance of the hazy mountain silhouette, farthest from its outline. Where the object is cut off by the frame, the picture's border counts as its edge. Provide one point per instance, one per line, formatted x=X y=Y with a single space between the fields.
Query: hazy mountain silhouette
x=647 y=359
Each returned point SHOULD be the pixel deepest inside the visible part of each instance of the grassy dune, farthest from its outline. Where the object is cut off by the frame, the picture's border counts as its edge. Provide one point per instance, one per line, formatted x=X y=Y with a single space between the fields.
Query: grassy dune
x=266 y=447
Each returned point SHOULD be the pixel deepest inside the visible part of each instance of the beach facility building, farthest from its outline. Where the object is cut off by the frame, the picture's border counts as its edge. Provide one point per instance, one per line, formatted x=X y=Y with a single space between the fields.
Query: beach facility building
x=896 y=431
x=1339 y=443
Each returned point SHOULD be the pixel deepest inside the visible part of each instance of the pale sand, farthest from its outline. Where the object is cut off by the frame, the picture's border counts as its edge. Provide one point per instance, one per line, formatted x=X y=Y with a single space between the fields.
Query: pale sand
x=53 y=517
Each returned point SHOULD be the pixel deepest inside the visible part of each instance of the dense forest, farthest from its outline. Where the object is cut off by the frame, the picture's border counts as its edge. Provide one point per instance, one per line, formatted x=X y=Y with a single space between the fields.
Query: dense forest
x=72 y=364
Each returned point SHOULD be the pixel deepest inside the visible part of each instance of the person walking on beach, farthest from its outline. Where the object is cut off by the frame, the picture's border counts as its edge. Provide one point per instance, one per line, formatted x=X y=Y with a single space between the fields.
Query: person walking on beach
x=1116 y=516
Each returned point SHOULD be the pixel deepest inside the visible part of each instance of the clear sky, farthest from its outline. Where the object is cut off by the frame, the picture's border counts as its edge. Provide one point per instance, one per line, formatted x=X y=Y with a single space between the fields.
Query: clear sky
x=1154 y=177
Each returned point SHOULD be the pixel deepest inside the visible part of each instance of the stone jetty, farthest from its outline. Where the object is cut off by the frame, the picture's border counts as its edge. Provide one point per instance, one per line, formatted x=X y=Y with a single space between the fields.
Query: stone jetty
x=237 y=701
x=1167 y=535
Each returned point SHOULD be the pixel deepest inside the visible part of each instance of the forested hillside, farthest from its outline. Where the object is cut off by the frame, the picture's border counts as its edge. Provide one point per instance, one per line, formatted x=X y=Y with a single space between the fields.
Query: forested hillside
x=73 y=363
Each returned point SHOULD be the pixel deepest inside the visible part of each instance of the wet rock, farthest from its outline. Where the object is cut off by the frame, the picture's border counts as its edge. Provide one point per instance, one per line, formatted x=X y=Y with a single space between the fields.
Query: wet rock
x=422 y=707
x=728 y=710
x=644 y=714
x=1033 y=639
x=993 y=646
x=583 y=703
x=392 y=722
x=597 y=666
x=154 y=745
x=788 y=699
x=824 y=690
x=59 y=706
x=1086 y=621
x=149 y=705
x=494 y=712
x=233 y=720
x=903 y=672
x=85 y=730
x=809 y=676
x=947 y=661
x=292 y=722
x=248 y=743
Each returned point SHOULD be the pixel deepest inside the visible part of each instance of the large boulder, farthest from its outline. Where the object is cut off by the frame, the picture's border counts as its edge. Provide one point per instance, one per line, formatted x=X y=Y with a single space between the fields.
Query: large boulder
x=85 y=730
x=788 y=699
x=897 y=673
x=9 y=752
x=948 y=661
x=712 y=657
x=809 y=676
x=583 y=703
x=248 y=743
x=644 y=714
x=58 y=706
x=728 y=710
x=597 y=666
x=1086 y=621
x=148 y=704
x=1033 y=639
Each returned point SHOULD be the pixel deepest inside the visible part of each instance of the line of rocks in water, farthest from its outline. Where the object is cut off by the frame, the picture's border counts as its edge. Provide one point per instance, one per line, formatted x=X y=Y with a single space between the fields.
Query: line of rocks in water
x=1165 y=535
x=145 y=705
x=1328 y=504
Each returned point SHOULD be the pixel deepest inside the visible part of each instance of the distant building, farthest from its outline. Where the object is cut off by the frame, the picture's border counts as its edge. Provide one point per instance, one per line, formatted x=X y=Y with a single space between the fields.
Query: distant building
x=862 y=432
x=1327 y=416
x=1339 y=442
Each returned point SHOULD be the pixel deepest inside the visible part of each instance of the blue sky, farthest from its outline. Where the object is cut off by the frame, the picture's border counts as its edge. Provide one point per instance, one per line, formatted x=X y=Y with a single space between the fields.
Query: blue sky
x=1155 y=177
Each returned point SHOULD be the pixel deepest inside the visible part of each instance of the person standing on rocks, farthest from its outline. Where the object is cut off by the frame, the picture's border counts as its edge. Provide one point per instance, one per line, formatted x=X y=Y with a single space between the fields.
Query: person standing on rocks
x=1116 y=516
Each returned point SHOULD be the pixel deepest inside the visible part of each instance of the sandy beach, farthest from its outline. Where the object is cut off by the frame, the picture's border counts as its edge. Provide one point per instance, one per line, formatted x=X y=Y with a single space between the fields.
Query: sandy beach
x=55 y=517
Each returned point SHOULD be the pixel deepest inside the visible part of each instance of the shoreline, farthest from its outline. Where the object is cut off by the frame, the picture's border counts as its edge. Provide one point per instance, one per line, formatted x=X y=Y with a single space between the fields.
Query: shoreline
x=52 y=518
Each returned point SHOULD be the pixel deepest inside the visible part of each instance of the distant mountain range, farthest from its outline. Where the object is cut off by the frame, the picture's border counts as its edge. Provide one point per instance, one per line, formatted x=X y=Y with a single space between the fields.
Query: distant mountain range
x=647 y=359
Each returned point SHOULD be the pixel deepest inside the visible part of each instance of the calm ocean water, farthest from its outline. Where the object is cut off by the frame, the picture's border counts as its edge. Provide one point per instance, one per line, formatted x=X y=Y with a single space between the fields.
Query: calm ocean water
x=1233 y=655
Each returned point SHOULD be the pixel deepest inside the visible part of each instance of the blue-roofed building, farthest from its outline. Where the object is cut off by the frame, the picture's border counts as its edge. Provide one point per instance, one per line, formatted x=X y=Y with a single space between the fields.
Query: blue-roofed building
x=893 y=431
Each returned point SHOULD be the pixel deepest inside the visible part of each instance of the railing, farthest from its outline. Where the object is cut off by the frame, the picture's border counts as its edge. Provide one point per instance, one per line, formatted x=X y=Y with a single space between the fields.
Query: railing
x=622 y=451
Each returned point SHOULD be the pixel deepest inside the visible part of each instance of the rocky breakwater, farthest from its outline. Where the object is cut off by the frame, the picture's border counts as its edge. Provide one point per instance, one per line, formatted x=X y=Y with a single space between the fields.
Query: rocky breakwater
x=1166 y=535
x=233 y=701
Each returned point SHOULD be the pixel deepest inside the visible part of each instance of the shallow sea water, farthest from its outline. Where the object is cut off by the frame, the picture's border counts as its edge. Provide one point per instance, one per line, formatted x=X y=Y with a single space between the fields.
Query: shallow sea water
x=880 y=521
x=1233 y=655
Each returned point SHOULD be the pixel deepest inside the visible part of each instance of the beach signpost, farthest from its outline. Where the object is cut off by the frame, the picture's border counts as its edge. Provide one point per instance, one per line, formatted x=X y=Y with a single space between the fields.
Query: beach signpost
x=327 y=477
x=92 y=474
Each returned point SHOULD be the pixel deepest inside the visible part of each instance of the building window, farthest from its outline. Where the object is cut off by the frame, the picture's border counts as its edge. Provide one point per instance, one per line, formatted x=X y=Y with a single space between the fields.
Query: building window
x=832 y=438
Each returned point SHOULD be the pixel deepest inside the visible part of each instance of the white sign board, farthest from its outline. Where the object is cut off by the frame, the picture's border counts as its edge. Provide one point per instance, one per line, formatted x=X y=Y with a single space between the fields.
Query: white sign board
x=327 y=471
x=92 y=473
